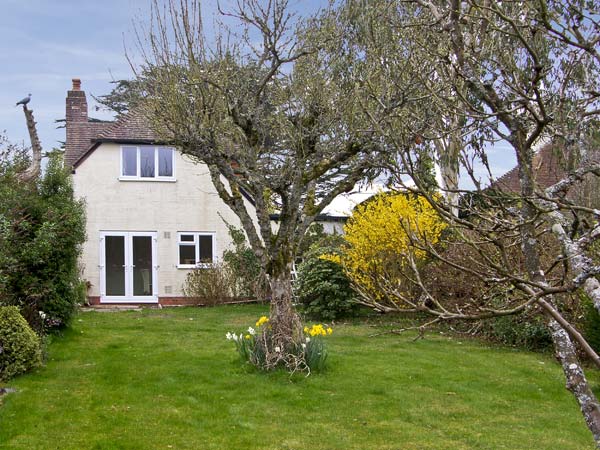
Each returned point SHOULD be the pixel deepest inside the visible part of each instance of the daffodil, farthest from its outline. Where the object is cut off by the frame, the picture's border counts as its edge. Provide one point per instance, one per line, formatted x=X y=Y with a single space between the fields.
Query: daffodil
x=317 y=330
x=262 y=321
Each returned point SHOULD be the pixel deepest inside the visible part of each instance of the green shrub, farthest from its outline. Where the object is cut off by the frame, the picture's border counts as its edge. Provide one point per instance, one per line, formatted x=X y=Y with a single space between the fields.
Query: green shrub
x=590 y=322
x=525 y=330
x=42 y=228
x=19 y=345
x=322 y=287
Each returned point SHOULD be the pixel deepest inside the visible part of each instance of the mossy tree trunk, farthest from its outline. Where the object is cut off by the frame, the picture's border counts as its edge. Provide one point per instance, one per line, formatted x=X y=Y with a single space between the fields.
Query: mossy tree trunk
x=277 y=128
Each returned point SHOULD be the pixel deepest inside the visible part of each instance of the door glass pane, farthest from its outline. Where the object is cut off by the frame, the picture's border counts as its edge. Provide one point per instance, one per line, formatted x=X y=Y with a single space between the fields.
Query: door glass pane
x=165 y=162
x=142 y=264
x=187 y=254
x=147 y=162
x=129 y=161
x=187 y=238
x=115 y=264
x=206 y=249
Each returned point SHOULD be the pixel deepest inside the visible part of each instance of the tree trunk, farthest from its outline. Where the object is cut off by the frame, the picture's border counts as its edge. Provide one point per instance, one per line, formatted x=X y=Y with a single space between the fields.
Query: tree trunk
x=36 y=147
x=580 y=263
x=449 y=172
x=284 y=320
x=448 y=151
x=566 y=354
x=280 y=340
x=576 y=382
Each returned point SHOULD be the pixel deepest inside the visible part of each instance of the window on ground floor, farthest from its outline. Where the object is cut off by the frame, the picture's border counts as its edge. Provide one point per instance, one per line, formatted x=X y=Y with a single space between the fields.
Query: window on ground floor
x=196 y=249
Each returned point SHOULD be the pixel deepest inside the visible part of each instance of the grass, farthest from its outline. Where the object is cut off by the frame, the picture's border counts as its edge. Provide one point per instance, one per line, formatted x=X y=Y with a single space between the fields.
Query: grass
x=162 y=379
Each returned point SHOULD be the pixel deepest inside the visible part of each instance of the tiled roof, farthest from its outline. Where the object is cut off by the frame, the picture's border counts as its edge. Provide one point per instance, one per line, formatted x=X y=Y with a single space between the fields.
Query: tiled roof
x=82 y=137
x=129 y=127
x=548 y=165
x=79 y=138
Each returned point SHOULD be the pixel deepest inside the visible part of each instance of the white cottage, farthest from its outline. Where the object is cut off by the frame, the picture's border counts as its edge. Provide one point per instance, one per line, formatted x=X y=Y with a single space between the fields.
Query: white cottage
x=152 y=213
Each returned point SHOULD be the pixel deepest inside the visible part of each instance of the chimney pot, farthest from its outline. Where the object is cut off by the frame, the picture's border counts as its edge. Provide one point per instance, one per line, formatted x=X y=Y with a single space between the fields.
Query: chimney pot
x=76 y=84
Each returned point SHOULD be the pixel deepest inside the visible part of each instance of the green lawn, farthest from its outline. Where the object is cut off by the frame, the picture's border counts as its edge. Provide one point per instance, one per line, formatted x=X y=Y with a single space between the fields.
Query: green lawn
x=162 y=379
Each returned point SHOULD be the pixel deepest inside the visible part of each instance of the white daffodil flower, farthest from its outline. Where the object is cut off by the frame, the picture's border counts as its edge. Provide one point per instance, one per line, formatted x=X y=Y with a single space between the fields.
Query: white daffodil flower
x=251 y=331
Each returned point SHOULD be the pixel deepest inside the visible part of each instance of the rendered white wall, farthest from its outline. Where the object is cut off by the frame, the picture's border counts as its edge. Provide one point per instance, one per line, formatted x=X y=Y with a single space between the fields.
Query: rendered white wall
x=191 y=203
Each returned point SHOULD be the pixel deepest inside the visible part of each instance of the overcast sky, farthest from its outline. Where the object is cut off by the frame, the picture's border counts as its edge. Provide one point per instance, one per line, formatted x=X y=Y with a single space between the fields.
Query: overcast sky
x=46 y=43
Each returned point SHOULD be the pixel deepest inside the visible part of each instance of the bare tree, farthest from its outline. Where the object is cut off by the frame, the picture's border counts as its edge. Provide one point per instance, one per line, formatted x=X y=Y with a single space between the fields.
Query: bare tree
x=524 y=73
x=33 y=170
x=261 y=107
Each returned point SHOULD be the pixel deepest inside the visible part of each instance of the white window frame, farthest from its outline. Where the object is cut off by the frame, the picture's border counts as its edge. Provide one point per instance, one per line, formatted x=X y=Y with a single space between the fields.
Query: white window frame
x=137 y=176
x=196 y=244
x=128 y=266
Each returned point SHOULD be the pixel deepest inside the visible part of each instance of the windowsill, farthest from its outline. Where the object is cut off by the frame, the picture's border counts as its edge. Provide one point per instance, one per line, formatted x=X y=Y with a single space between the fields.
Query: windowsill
x=153 y=180
x=195 y=266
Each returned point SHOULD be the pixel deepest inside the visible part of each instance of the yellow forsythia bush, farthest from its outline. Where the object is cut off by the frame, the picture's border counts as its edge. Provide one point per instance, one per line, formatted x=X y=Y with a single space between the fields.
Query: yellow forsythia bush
x=378 y=237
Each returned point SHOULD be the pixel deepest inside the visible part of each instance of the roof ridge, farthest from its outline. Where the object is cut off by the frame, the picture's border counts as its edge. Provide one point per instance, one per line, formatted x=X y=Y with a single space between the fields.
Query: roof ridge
x=545 y=170
x=505 y=176
x=131 y=126
x=115 y=125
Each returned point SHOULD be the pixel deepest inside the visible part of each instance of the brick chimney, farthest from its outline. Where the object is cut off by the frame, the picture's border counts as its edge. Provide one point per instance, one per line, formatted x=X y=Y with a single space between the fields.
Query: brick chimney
x=78 y=138
x=77 y=108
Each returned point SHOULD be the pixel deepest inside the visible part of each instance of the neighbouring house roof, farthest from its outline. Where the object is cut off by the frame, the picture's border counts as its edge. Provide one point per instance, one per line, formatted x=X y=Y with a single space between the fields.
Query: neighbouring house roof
x=548 y=165
x=343 y=205
x=341 y=208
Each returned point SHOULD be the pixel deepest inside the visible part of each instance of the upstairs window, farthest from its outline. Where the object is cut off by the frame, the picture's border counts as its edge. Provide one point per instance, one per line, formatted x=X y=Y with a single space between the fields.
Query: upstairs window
x=195 y=249
x=147 y=163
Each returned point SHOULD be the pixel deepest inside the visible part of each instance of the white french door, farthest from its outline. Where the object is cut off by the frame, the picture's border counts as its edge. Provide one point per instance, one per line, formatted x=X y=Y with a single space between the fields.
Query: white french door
x=128 y=267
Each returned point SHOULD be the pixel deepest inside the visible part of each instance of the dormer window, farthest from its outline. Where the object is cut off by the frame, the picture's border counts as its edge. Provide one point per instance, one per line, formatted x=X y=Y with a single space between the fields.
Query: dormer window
x=148 y=163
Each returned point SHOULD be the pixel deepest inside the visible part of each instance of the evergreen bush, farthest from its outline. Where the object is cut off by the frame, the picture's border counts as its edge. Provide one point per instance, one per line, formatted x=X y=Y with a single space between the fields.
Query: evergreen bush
x=590 y=322
x=525 y=330
x=42 y=228
x=322 y=287
x=19 y=345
